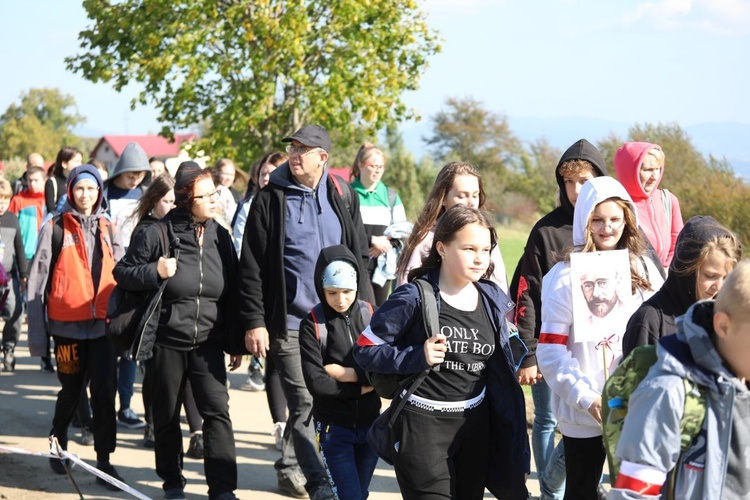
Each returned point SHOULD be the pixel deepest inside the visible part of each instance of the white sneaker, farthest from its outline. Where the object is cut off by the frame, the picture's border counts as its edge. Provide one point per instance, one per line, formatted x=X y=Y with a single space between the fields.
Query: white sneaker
x=254 y=381
x=278 y=434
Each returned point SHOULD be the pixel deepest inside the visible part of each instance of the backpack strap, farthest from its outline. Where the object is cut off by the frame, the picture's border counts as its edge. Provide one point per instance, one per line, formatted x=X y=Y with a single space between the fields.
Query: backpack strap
x=346 y=194
x=430 y=314
x=163 y=231
x=392 y=195
x=321 y=329
x=667 y=198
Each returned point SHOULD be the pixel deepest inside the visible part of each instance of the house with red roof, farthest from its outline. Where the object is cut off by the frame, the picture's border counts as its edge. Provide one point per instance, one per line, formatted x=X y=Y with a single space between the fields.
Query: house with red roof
x=110 y=147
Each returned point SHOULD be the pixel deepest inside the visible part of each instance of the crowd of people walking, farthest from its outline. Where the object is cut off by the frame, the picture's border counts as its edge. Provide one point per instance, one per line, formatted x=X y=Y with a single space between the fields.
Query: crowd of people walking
x=325 y=286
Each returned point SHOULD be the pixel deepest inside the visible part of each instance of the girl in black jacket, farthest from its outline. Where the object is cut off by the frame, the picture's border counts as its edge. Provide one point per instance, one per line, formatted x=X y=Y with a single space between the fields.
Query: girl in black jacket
x=197 y=317
x=705 y=253
x=344 y=404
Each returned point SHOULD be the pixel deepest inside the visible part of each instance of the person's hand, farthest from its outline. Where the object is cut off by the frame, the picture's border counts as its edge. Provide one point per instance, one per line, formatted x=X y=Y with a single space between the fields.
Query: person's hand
x=166 y=267
x=341 y=373
x=596 y=409
x=529 y=376
x=256 y=341
x=234 y=362
x=380 y=245
x=434 y=349
x=366 y=389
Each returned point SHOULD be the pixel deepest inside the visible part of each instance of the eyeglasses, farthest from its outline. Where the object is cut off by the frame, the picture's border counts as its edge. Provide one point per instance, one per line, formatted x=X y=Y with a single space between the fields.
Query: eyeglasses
x=374 y=167
x=614 y=224
x=209 y=196
x=300 y=150
x=588 y=286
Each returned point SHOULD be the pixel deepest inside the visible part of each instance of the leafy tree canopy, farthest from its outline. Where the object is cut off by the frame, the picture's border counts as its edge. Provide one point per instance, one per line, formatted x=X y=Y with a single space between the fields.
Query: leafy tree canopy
x=41 y=122
x=252 y=72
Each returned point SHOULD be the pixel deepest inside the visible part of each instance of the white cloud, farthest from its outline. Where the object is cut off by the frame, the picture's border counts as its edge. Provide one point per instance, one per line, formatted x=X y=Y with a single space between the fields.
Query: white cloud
x=717 y=17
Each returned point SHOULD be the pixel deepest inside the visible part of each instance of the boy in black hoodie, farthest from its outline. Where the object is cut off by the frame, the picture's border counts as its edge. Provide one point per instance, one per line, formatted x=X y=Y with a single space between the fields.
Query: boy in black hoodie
x=552 y=234
x=344 y=404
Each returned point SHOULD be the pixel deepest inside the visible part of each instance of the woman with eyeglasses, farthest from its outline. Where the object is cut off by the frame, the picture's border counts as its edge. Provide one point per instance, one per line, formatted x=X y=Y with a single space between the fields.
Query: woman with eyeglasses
x=380 y=207
x=604 y=219
x=197 y=320
x=640 y=168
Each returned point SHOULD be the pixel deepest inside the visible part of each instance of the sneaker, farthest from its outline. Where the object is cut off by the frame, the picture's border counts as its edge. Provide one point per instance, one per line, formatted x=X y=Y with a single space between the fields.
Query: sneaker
x=254 y=381
x=227 y=495
x=56 y=464
x=278 y=434
x=322 y=492
x=9 y=359
x=148 y=437
x=175 y=494
x=129 y=419
x=195 y=449
x=87 y=436
x=46 y=365
x=109 y=469
x=292 y=483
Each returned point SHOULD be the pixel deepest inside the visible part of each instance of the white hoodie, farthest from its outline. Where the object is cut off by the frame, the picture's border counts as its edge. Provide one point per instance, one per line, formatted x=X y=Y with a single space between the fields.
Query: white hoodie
x=575 y=371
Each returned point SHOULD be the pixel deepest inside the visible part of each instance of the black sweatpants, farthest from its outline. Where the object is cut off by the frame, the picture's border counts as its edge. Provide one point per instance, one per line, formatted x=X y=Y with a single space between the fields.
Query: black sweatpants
x=77 y=360
x=584 y=461
x=442 y=455
x=204 y=367
x=194 y=420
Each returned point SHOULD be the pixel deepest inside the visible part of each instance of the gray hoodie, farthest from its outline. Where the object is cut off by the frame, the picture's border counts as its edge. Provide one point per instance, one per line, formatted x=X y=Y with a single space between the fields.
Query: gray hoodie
x=133 y=159
x=649 y=445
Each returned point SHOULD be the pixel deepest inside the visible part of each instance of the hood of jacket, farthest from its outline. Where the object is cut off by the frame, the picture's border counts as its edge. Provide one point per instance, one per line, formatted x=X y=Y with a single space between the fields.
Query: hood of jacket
x=628 y=161
x=328 y=255
x=691 y=351
x=580 y=150
x=133 y=159
x=592 y=193
x=678 y=292
x=101 y=204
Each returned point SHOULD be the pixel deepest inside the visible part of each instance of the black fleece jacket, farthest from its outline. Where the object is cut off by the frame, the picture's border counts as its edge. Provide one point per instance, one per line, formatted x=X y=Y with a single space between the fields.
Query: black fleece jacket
x=263 y=297
x=655 y=318
x=198 y=304
x=337 y=403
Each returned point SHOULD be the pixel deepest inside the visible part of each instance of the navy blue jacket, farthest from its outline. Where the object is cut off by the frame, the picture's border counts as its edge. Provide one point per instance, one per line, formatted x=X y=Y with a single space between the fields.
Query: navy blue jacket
x=393 y=343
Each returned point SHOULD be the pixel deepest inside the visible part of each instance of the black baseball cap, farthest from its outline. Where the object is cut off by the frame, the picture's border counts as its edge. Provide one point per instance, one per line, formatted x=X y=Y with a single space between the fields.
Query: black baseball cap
x=313 y=136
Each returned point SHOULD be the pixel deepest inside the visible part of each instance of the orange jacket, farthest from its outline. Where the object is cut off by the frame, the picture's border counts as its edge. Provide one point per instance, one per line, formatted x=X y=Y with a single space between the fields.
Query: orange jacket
x=72 y=296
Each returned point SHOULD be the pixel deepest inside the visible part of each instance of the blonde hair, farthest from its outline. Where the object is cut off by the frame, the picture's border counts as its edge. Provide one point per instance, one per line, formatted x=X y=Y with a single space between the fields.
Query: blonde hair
x=727 y=245
x=6 y=191
x=364 y=153
x=657 y=155
x=734 y=296
x=630 y=240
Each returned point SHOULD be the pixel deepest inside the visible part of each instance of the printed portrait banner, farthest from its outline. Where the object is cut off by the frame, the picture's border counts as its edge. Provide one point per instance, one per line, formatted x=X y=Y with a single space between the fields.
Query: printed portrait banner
x=601 y=295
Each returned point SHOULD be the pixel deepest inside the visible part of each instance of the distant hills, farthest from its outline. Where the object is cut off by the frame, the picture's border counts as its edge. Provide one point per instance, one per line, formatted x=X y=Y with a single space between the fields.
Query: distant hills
x=722 y=140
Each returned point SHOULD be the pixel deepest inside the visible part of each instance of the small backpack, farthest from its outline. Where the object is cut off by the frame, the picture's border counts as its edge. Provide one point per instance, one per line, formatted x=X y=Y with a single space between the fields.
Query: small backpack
x=321 y=329
x=616 y=394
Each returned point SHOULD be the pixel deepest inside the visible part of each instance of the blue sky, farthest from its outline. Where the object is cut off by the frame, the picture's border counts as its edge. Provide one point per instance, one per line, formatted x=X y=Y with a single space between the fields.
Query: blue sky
x=626 y=61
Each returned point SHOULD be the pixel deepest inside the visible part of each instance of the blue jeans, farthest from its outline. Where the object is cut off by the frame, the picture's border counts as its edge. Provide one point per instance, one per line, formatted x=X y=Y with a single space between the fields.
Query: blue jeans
x=125 y=381
x=550 y=460
x=348 y=458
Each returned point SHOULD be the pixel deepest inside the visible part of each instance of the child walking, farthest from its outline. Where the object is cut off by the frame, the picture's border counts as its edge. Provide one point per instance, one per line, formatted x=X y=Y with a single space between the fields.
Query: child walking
x=344 y=404
x=464 y=427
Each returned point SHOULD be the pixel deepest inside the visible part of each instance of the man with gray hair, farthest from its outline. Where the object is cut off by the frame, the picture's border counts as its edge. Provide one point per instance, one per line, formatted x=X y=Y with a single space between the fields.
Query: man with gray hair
x=302 y=210
x=32 y=160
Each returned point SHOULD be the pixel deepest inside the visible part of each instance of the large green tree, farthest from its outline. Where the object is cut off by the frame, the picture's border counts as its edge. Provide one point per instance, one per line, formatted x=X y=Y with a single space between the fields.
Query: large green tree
x=42 y=122
x=254 y=71
x=465 y=130
x=704 y=185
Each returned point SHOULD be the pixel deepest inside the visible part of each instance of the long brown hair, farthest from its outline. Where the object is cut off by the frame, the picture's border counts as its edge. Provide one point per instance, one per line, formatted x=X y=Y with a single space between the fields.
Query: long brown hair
x=158 y=188
x=452 y=221
x=433 y=207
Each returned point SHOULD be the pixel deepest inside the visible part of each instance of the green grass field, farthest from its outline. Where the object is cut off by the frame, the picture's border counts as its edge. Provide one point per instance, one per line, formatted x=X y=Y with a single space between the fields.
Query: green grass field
x=512 y=241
